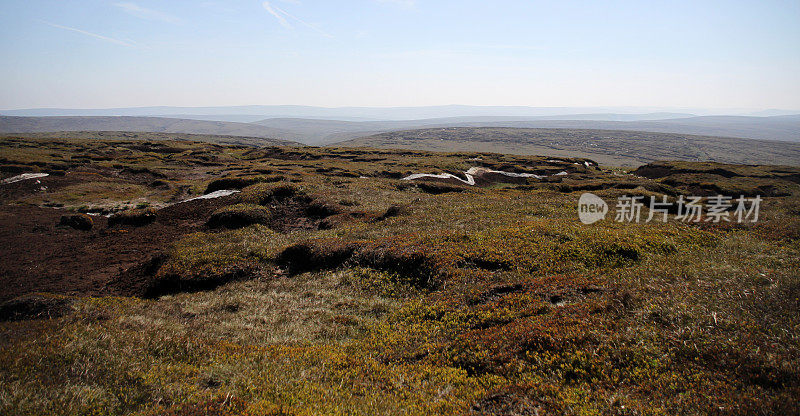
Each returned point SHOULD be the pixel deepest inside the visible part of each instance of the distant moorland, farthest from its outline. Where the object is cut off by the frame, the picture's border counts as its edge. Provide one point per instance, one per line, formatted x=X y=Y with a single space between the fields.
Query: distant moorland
x=318 y=126
x=613 y=148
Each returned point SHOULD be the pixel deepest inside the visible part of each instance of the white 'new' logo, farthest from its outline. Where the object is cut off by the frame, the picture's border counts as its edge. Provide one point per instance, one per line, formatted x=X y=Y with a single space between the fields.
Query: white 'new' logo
x=591 y=208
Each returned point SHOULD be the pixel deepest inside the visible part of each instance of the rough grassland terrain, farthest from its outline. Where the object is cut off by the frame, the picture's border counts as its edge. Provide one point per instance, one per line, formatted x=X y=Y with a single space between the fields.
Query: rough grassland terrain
x=330 y=286
x=155 y=136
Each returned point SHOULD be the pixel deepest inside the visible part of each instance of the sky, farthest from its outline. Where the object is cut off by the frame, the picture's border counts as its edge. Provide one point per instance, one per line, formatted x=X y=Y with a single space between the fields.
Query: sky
x=669 y=54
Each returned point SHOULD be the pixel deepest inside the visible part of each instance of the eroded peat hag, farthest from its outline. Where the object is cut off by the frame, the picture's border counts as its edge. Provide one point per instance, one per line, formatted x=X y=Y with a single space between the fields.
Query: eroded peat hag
x=194 y=278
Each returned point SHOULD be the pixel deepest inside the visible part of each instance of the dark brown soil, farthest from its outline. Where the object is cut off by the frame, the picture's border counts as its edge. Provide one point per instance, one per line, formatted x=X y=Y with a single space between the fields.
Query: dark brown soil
x=39 y=256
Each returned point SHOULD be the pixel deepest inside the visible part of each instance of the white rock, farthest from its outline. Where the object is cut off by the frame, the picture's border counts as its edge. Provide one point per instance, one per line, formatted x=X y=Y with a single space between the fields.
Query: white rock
x=25 y=176
x=215 y=194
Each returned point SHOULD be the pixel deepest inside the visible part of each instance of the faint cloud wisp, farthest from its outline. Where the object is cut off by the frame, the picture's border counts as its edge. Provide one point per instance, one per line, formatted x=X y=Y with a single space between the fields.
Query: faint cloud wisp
x=408 y=4
x=282 y=20
x=147 y=14
x=94 y=35
x=282 y=15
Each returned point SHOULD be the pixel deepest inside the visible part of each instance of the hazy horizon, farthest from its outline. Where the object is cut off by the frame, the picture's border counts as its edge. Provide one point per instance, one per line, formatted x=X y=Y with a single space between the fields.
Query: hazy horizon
x=569 y=109
x=100 y=54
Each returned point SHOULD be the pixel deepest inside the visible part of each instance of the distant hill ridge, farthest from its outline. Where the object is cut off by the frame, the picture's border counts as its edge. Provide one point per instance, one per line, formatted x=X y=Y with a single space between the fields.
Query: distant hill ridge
x=318 y=131
x=140 y=124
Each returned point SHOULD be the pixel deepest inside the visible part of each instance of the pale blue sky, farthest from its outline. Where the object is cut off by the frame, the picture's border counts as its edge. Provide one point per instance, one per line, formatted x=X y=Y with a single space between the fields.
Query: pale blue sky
x=97 y=53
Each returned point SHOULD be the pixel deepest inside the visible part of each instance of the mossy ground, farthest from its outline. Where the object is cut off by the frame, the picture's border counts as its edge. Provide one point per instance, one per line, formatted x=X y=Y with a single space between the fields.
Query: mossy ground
x=493 y=300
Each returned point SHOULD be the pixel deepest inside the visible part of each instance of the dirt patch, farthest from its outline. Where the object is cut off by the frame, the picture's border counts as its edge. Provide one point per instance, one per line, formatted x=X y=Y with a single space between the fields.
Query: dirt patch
x=40 y=256
x=321 y=209
x=139 y=278
x=116 y=255
x=661 y=170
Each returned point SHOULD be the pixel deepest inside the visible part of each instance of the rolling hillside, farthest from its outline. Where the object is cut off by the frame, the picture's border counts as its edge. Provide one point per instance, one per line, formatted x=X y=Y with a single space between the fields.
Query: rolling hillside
x=139 y=124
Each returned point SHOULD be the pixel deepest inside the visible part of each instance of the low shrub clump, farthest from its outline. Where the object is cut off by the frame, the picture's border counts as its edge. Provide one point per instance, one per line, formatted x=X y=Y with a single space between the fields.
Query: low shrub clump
x=238 y=216
x=232 y=183
x=35 y=306
x=263 y=193
x=134 y=217
x=220 y=252
x=316 y=255
x=81 y=222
